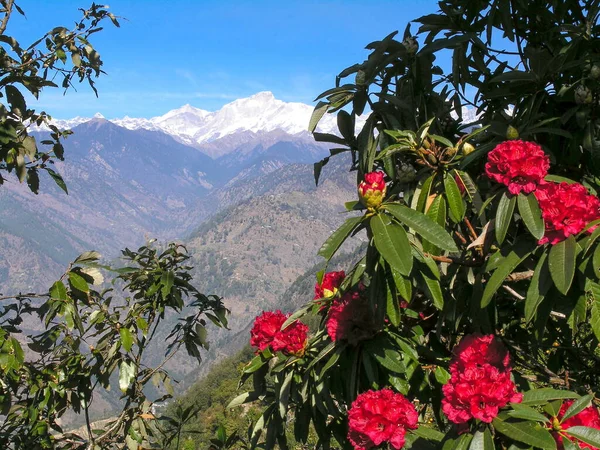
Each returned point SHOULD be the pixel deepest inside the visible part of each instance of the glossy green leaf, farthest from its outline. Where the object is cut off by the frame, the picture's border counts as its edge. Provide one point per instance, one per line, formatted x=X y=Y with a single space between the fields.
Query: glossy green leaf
x=586 y=434
x=538 y=287
x=454 y=197
x=58 y=291
x=504 y=215
x=521 y=250
x=530 y=212
x=543 y=395
x=424 y=226
x=527 y=432
x=561 y=262
x=334 y=241
x=521 y=411
x=126 y=338
x=392 y=243
x=77 y=282
x=482 y=440
x=167 y=280
x=577 y=406
x=433 y=290
x=126 y=374
x=429 y=433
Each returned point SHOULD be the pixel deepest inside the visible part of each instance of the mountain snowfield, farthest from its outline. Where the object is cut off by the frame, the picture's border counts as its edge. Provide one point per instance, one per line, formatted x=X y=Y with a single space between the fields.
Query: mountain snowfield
x=259 y=113
x=255 y=115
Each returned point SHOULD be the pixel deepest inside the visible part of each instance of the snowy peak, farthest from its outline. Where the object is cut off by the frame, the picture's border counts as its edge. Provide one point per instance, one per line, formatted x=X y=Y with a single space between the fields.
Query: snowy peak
x=259 y=113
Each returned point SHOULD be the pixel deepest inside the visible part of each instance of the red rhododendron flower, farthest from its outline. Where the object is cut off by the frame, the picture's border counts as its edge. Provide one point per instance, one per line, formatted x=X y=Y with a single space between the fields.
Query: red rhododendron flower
x=519 y=165
x=478 y=391
x=267 y=332
x=329 y=285
x=372 y=190
x=266 y=326
x=480 y=382
x=380 y=416
x=477 y=349
x=350 y=319
x=589 y=417
x=292 y=339
x=566 y=209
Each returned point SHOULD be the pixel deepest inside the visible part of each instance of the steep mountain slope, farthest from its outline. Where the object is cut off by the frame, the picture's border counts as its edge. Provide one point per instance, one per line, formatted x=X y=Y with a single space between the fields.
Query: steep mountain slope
x=123 y=185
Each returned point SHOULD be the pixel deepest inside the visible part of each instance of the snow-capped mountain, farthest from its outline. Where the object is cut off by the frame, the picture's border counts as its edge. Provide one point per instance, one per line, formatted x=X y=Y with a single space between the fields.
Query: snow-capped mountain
x=246 y=122
x=259 y=113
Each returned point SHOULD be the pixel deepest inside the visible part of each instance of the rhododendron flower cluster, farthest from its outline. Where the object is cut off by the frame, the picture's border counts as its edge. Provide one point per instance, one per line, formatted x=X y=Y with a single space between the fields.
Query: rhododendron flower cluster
x=329 y=285
x=267 y=332
x=566 y=209
x=372 y=190
x=589 y=417
x=480 y=382
x=380 y=416
x=519 y=165
x=350 y=319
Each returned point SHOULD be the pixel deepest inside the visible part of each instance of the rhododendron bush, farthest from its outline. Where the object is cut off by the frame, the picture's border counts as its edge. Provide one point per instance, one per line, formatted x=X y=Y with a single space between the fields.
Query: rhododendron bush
x=472 y=321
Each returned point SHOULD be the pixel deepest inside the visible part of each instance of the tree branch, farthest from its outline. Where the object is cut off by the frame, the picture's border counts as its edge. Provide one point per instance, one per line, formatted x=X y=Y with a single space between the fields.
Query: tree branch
x=9 y=8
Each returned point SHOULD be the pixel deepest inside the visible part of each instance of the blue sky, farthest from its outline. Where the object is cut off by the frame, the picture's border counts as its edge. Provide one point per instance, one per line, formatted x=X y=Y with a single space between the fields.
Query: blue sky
x=208 y=53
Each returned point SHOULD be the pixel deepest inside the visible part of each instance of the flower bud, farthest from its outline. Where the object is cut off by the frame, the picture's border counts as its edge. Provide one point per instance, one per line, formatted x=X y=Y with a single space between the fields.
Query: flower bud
x=372 y=190
x=512 y=133
x=467 y=149
x=583 y=95
x=595 y=72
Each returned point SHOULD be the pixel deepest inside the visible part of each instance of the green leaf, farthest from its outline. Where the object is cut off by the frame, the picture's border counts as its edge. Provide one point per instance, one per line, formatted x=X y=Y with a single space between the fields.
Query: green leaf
x=424 y=226
x=504 y=215
x=403 y=285
x=246 y=397
x=530 y=212
x=520 y=411
x=167 y=280
x=586 y=434
x=429 y=433
x=284 y=394
x=58 y=179
x=521 y=250
x=541 y=396
x=577 y=406
x=561 y=262
x=316 y=116
x=482 y=440
x=527 y=432
x=595 y=310
x=58 y=291
x=455 y=200
x=392 y=243
x=77 y=282
x=87 y=257
x=126 y=374
x=538 y=287
x=126 y=338
x=433 y=291
x=334 y=241
x=437 y=213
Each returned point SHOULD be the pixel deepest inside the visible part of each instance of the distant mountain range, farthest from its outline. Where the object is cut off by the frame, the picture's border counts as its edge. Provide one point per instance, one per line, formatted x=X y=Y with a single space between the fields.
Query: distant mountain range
x=244 y=119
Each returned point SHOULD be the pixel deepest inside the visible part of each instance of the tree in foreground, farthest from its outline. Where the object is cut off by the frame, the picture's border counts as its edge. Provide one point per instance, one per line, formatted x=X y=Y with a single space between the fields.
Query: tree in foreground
x=91 y=337
x=473 y=319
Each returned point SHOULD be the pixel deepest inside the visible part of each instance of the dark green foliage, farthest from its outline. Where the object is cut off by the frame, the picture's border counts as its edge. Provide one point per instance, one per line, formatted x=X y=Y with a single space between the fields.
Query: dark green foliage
x=63 y=54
